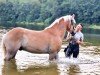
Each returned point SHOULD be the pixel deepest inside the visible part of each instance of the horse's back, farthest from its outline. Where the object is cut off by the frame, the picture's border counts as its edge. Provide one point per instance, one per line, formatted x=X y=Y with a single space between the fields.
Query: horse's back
x=19 y=33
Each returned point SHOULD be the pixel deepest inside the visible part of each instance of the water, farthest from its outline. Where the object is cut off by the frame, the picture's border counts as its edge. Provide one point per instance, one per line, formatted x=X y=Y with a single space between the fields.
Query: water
x=94 y=39
x=26 y=63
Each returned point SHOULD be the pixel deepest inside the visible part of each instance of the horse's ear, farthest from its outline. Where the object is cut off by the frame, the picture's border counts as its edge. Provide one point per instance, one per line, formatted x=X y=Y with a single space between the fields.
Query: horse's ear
x=73 y=15
x=62 y=20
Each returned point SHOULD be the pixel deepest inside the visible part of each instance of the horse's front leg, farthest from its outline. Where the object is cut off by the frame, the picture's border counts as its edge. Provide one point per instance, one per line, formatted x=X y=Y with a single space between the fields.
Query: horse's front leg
x=53 y=56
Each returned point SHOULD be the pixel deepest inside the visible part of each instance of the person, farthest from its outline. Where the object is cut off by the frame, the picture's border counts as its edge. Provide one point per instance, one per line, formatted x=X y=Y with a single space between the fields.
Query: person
x=75 y=39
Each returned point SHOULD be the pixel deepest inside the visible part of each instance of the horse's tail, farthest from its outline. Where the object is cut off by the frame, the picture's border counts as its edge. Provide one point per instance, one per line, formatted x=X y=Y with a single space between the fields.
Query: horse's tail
x=3 y=48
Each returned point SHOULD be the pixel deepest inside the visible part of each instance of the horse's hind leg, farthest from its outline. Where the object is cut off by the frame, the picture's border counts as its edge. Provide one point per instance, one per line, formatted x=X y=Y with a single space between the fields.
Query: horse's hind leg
x=10 y=55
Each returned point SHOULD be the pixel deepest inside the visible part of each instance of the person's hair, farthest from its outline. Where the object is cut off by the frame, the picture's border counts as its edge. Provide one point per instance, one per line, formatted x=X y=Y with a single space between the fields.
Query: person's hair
x=81 y=24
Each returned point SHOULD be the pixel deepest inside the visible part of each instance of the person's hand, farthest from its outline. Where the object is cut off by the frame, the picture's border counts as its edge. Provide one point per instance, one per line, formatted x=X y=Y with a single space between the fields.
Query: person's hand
x=69 y=38
x=80 y=42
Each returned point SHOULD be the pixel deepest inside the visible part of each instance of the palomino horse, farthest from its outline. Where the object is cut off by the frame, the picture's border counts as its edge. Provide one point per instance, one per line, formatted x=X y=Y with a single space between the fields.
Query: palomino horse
x=48 y=40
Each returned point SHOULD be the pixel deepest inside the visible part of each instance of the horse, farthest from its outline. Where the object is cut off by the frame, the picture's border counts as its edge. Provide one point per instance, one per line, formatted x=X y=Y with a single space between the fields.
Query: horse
x=47 y=41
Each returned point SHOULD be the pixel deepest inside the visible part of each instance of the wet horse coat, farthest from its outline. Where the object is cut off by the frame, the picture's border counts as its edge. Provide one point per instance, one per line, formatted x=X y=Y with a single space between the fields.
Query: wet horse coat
x=48 y=40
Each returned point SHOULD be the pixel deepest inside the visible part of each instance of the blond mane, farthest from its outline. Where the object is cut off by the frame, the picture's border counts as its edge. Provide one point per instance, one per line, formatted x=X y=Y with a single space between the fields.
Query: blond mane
x=67 y=17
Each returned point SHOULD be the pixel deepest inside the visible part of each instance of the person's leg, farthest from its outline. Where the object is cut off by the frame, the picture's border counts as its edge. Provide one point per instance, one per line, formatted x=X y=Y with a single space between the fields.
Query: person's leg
x=69 y=52
x=65 y=49
x=76 y=52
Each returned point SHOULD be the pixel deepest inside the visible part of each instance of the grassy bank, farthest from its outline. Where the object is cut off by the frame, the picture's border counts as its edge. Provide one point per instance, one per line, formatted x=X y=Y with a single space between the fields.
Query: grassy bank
x=94 y=26
x=91 y=29
x=31 y=25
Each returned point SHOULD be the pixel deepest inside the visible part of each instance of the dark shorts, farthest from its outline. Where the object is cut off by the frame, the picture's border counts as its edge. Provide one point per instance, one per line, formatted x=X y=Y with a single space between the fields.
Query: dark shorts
x=72 y=49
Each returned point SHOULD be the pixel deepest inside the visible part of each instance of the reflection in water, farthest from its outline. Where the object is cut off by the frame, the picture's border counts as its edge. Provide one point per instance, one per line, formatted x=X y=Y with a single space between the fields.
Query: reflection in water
x=11 y=68
x=68 y=69
x=73 y=69
x=32 y=64
x=67 y=66
x=41 y=70
x=28 y=64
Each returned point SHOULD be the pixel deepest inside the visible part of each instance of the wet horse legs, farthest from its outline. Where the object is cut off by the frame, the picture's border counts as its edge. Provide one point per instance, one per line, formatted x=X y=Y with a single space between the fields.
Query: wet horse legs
x=9 y=55
x=53 y=56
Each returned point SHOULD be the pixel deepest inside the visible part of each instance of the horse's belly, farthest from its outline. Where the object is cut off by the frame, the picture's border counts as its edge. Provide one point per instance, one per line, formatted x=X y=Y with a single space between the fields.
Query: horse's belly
x=36 y=49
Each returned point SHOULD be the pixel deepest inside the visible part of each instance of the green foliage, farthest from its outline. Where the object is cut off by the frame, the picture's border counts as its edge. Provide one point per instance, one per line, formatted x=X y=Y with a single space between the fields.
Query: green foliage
x=94 y=26
x=14 y=12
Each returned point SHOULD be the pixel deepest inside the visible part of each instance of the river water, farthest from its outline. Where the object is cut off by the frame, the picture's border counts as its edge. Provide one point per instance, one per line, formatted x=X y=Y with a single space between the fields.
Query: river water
x=25 y=63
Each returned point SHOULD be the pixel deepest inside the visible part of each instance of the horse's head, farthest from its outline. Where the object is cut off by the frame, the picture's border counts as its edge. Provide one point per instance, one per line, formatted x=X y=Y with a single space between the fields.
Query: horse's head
x=69 y=21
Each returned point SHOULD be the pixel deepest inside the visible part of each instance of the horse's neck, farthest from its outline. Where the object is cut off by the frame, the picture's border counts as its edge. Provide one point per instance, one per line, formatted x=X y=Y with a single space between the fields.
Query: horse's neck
x=62 y=30
x=58 y=30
